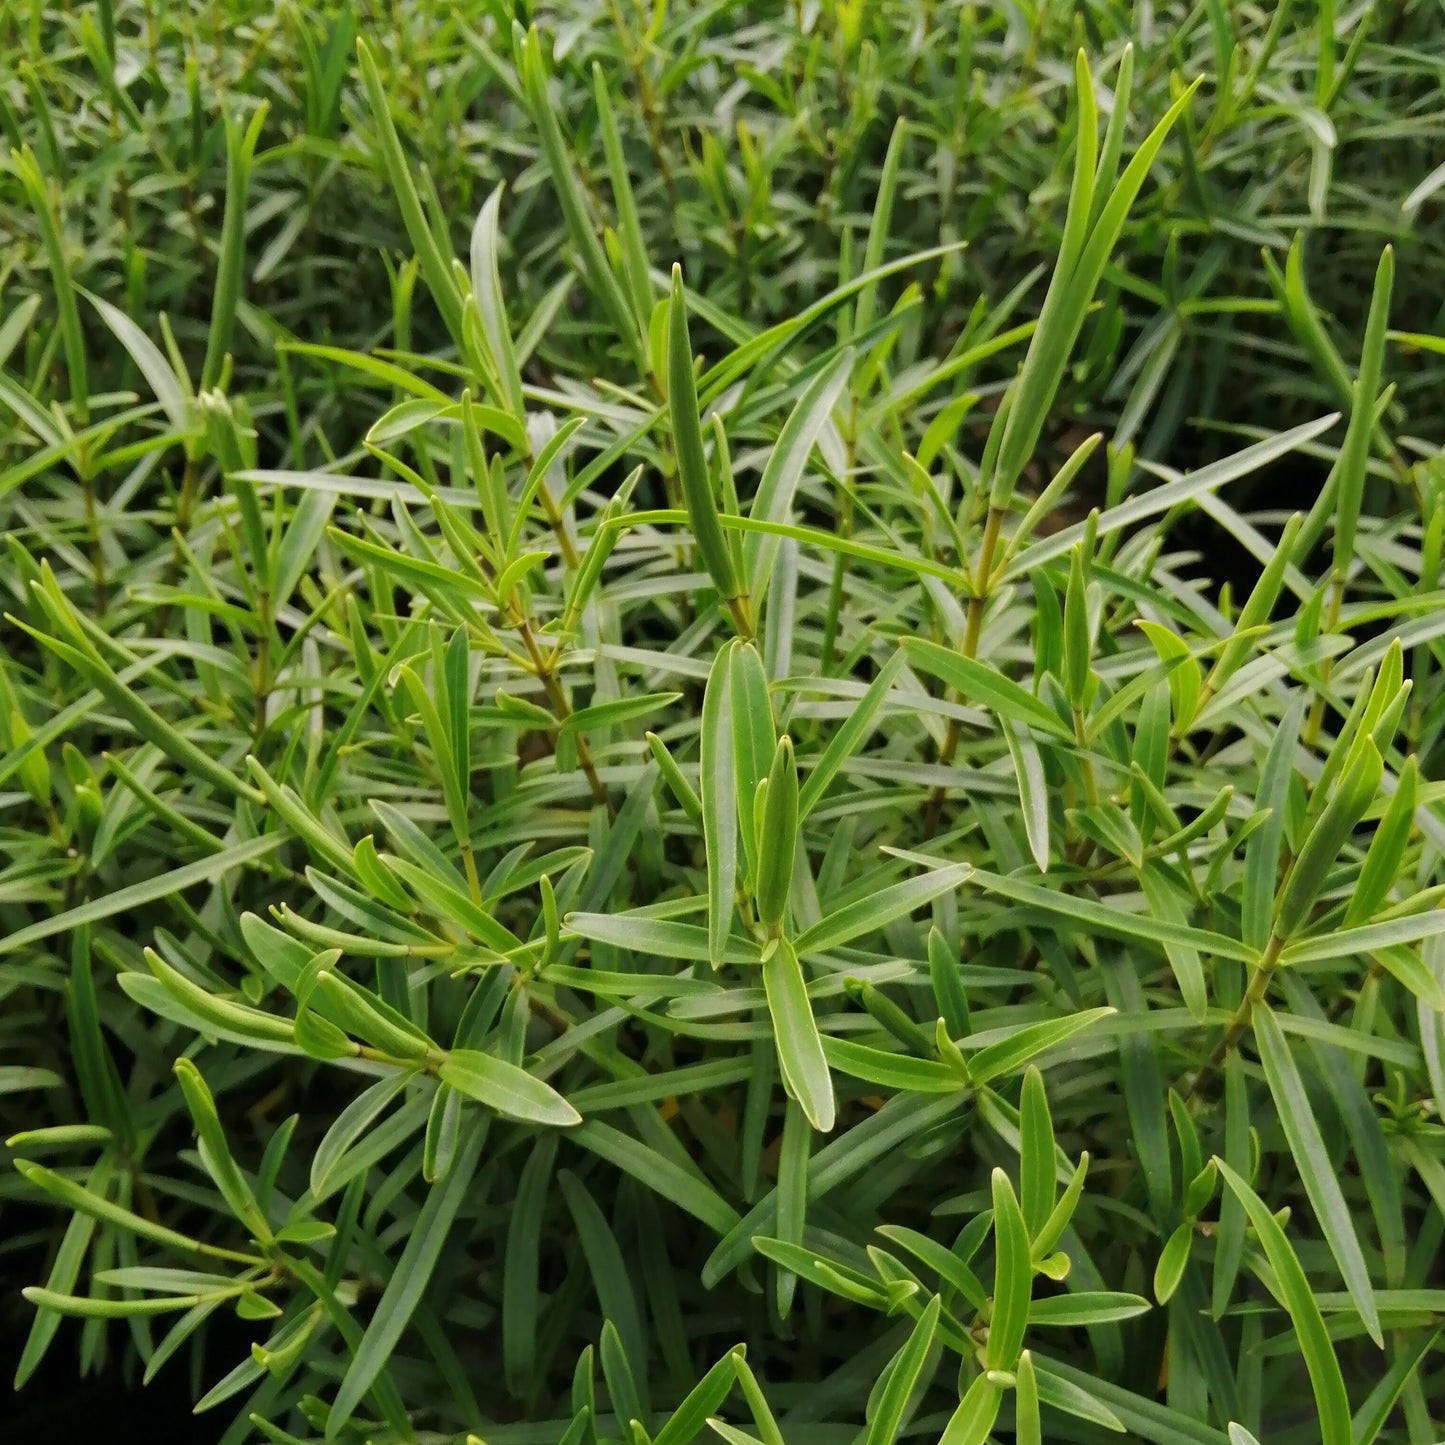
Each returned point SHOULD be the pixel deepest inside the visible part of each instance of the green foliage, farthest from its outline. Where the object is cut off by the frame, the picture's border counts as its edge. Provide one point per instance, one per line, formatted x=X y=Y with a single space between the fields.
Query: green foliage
x=668 y=767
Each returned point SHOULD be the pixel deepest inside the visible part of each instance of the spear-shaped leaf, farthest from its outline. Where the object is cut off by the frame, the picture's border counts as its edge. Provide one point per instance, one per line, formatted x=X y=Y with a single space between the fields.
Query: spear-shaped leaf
x=1331 y=1400
x=800 y=1050
x=717 y=774
x=1317 y=1169
x=692 y=468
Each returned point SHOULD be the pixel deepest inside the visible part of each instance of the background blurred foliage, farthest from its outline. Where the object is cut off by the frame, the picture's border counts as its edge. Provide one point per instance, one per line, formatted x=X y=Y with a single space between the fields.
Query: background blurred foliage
x=756 y=144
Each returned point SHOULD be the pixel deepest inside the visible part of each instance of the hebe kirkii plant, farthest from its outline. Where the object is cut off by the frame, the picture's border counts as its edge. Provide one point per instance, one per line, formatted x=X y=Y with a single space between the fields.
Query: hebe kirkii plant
x=718 y=880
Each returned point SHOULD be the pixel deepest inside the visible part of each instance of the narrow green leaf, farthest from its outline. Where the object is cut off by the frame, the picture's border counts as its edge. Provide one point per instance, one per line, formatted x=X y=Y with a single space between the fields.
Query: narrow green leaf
x=1115 y=922
x=1374 y=1414
x=1013 y=1278
x=1355 y=452
x=705 y=1398
x=670 y=1181
x=350 y=1125
x=520 y=1295
x=903 y=1378
x=1331 y=1400
x=1028 y=1430
x=616 y=712
x=409 y=1279
x=800 y=1051
x=1387 y=848
x=717 y=782
x=692 y=468
x=754 y=741
x=1033 y=787
x=601 y=281
x=980 y=683
x=1317 y=1171
x=870 y=914
x=777 y=837
x=1037 y=1170
x=226 y=295
x=1087 y=1307
x=1173 y=1259
x=434 y=266
x=511 y=1091
x=1028 y=1041
x=136 y=895
x=773 y=501
x=849 y=737
x=172 y=391
x=971 y=1422
x=83 y=1201
x=1352 y=796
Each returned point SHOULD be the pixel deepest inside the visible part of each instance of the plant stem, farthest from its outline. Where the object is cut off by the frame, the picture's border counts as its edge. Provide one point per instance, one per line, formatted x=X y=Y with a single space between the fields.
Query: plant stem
x=263 y=666
x=97 y=552
x=977 y=604
x=544 y=667
x=845 y=529
x=1258 y=987
x=1332 y=620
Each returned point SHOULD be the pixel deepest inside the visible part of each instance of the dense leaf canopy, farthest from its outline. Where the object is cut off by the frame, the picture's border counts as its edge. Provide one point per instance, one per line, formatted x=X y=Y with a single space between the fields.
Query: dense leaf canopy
x=721 y=721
